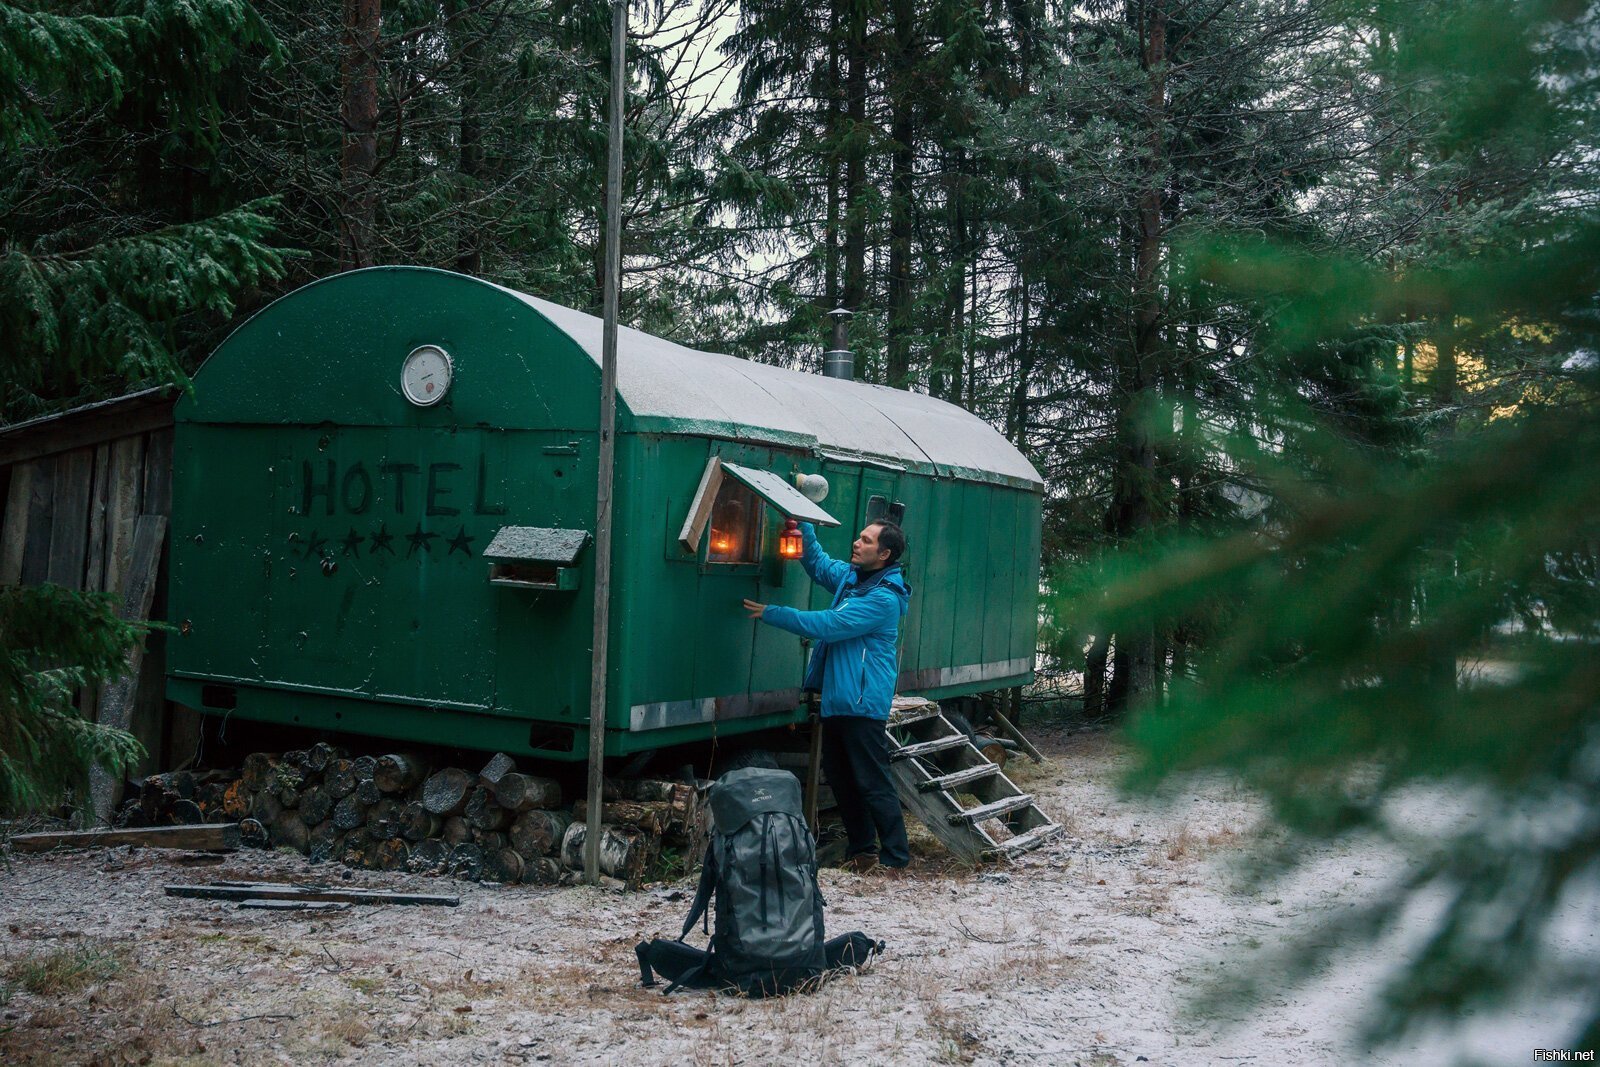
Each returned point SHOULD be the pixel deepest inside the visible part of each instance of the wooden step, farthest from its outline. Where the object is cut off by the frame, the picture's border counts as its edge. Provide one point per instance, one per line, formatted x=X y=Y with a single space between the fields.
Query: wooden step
x=959 y=778
x=989 y=811
x=899 y=717
x=928 y=748
x=1024 y=842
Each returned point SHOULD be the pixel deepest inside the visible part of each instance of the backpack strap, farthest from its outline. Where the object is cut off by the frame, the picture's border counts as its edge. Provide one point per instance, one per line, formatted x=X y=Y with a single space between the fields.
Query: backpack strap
x=702 y=895
x=647 y=977
x=693 y=974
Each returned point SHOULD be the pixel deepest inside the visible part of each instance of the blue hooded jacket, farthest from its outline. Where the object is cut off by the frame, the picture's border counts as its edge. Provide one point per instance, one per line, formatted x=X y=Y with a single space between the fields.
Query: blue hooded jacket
x=855 y=663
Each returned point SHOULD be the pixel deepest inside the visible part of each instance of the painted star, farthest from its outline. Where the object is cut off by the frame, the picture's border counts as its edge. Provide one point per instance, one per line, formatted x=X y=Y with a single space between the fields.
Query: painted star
x=352 y=543
x=421 y=539
x=381 y=539
x=314 y=544
x=461 y=541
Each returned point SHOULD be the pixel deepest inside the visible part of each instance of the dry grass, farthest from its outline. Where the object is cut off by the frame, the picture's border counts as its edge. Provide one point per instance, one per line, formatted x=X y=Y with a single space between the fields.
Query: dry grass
x=349 y=1028
x=63 y=971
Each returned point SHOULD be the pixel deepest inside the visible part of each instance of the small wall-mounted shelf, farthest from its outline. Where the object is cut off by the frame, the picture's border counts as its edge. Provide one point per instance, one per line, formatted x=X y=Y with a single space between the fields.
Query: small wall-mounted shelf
x=536 y=557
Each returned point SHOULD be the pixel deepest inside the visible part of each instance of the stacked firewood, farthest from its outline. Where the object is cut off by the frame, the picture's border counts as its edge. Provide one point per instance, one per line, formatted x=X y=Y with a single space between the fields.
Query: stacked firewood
x=393 y=812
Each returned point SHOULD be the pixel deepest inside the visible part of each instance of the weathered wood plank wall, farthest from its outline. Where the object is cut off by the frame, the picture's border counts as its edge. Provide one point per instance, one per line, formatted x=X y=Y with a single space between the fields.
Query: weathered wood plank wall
x=74 y=488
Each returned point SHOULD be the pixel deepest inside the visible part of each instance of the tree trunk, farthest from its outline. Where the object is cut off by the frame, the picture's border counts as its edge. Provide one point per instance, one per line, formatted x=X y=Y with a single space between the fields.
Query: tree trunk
x=625 y=852
x=359 y=112
x=340 y=779
x=398 y=772
x=502 y=865
x=538 y=832
x=1134 y=481
x=1094 y=677
x=1117 y=690
x=483 y=812
x=519 y=792
x=902 y=131
x=349 y=813
x=855 y=171
x=445 y=793
x=836 y=135
x=431 y=856
x=467 y=44
x=651 y=816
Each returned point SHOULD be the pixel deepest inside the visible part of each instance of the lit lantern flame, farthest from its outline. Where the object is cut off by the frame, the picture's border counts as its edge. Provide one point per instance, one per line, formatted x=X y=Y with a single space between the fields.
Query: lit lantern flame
x=721 y=544
x=790 y=543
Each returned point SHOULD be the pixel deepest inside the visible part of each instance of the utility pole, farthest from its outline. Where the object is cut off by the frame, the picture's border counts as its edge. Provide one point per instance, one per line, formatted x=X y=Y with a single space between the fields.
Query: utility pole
x=608 y=447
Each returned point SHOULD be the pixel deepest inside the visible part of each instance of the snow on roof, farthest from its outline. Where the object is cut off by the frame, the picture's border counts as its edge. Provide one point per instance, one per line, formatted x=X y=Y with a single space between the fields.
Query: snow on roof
x=725 y=395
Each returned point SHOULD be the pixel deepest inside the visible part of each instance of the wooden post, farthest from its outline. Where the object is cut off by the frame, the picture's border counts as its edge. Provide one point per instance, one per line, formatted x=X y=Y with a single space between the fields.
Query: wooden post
x=1015 y=734
x=813 y=766
x=608 y=447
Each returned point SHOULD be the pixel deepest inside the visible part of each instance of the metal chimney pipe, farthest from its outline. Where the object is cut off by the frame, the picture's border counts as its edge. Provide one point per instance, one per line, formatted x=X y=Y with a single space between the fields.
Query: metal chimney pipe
x=838 y=361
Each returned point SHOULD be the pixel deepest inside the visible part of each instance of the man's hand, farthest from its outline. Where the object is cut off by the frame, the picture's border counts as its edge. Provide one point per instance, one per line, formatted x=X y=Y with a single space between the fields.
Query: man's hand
x=756 y=610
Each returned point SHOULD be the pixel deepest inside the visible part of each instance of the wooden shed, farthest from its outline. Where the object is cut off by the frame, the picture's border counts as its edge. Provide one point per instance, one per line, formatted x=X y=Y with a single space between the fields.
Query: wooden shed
x=86 y=495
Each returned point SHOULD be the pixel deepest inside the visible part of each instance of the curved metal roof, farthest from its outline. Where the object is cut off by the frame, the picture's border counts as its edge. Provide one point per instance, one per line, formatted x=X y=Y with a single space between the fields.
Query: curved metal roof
x=672 y=388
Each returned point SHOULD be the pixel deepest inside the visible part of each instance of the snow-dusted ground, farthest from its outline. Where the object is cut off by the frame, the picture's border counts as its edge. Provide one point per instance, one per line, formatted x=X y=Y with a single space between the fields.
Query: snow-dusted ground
x=1083 y=954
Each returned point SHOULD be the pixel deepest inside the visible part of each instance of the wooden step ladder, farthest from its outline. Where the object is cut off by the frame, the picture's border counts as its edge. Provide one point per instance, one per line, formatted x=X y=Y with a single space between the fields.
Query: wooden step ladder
x=934 y=765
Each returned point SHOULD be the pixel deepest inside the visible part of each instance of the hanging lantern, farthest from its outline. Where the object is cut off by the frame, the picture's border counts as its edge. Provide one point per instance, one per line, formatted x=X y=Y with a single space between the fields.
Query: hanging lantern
x=790 y=543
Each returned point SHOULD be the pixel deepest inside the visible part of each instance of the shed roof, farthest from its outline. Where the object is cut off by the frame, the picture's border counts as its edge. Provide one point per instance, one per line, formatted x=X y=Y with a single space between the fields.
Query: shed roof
x=668 y=386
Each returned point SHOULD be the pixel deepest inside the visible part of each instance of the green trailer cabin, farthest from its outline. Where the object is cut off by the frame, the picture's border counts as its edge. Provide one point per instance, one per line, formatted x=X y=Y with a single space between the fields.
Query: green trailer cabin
x=384 y=503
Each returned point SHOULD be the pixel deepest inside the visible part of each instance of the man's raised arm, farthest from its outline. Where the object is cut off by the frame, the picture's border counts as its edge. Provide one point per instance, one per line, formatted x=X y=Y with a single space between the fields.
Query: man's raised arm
x=821 y=567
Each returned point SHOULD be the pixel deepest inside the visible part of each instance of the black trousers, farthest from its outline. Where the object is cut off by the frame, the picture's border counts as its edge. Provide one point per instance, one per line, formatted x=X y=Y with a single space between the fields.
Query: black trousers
x=855 y=757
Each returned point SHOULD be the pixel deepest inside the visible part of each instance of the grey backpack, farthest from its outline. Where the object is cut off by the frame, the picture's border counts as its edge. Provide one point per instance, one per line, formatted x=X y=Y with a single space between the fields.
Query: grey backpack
x=761 y=866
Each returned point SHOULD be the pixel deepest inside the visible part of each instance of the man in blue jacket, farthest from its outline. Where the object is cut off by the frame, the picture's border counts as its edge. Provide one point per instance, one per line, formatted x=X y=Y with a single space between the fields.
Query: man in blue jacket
x=854 y=665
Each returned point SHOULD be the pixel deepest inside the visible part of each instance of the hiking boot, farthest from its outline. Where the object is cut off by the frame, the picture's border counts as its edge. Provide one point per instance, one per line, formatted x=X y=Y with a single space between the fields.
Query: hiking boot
x=860 y=863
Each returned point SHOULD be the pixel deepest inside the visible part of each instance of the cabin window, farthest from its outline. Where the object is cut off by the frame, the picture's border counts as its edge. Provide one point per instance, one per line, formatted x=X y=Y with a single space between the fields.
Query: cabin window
x=736 y=521
x=877 y=509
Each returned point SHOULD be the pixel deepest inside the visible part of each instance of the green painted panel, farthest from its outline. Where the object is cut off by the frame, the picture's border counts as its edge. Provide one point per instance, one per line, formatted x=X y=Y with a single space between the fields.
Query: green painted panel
x=219 y=568
x=999 y=574
x=1025 y=623
x=331 y=353
x=971 y=566
x=939 y=574
x=915 y=493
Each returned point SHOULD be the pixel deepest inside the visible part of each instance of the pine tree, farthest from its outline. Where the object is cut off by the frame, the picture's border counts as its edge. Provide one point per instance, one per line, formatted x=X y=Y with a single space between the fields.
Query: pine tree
x=1423 y=616
x=101 y=279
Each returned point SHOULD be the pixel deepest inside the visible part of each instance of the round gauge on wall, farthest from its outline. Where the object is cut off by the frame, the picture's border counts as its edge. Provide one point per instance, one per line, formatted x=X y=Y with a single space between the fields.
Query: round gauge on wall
x=425 y=375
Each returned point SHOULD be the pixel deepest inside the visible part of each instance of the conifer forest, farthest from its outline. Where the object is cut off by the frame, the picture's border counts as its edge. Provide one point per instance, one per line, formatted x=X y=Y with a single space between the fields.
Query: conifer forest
x=1293 y=304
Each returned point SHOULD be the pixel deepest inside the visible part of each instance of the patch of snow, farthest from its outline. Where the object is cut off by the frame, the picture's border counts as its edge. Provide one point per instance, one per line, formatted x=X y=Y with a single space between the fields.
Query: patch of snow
x=1086 y=952
x=667 y=385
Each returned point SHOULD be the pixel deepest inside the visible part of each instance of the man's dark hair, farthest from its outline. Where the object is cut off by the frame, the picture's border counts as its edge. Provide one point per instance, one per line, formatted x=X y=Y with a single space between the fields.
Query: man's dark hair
x=891 y=537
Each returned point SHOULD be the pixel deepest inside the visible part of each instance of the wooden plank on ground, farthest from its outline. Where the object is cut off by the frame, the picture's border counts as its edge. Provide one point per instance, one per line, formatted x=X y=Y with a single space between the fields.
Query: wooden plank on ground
x=116 y=705
x=36 y=538
x=295 y=905
x=14 y=533
x=281 y=891
x=209 y=836
x=69 y=524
